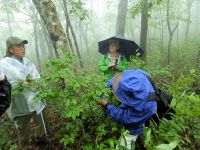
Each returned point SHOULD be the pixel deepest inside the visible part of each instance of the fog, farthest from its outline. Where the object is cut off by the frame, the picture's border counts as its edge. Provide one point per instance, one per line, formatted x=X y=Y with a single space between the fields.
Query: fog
x=95 y=20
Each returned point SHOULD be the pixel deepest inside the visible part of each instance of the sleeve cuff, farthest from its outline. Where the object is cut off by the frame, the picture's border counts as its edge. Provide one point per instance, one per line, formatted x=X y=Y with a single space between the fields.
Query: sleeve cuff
x=106 y=106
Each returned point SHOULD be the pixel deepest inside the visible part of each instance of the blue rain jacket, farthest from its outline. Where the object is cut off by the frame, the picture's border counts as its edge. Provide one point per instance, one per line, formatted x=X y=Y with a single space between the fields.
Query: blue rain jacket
x=133 y=90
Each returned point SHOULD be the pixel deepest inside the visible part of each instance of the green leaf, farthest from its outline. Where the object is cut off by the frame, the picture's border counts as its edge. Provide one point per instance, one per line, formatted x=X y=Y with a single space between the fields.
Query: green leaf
x=169 y=146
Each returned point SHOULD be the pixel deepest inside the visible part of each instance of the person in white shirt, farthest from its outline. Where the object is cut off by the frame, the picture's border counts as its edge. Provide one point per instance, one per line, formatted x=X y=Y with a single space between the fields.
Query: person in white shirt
x=23 y=108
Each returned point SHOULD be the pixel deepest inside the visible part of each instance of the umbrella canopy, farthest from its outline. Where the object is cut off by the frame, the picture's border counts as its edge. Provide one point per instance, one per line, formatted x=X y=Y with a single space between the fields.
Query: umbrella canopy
x=127 y=47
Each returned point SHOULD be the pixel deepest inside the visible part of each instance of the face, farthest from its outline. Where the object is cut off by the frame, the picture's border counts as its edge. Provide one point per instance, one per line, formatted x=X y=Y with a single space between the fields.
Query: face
x=18 y=50
x=113 y=47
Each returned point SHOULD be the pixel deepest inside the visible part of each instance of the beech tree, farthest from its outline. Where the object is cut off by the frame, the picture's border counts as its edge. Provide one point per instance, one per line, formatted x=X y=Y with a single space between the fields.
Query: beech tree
x=49 y=15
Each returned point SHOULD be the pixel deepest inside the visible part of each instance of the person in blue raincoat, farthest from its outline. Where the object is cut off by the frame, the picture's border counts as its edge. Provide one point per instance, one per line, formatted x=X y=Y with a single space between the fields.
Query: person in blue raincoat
x=133 y=90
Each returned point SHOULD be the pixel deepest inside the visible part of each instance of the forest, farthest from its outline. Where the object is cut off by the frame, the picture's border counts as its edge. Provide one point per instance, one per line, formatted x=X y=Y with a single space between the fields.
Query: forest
x=63 y=43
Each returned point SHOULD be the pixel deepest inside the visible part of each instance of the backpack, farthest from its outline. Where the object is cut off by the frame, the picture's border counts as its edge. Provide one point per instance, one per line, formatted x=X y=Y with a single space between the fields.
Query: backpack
x=163 y=99
x=5 y=95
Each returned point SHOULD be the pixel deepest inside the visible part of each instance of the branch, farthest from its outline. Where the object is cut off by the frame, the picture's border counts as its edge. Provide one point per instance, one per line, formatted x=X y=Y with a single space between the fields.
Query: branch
x=174 y=28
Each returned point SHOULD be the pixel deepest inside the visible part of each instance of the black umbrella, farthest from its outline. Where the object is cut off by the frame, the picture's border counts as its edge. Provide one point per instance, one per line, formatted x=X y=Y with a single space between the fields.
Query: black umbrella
x=127 y=47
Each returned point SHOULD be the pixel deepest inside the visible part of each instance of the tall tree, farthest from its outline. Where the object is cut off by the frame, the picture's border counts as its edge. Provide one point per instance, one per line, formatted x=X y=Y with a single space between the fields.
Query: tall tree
x=69 y=26
x=8 y=8
x=189 y=5
x=48 y=41
x=144 y=27
x=8 y=18
x=197 y=15
x=198 y=60
x=161 y=22
x=35 y=30
x=171 y=32
x=49 y=15
x=121 y=17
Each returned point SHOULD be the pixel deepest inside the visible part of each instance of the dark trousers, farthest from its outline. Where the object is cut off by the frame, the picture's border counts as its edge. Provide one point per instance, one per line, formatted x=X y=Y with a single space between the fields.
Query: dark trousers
x=24 y=128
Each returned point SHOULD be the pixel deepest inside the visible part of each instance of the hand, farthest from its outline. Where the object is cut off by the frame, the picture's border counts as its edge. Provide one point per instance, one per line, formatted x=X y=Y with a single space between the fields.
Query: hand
x=111 y=65
x=25 y=82
x=102 y=102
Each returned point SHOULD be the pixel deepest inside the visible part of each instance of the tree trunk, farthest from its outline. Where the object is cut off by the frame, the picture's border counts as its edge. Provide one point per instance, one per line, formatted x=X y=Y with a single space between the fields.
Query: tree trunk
x=8 y=19
x=73 y=34
x=177 y=37
x=67 y=25
x=171 y=32
x=177 y=43
x=49 y=43
x=189 y=5
x=197 y=16
x=121 y=17
x=131 y=29
x=144 y=27
x=43 y=45
x=85 y=38
x=36 y=44
x=198 y=60
x=49 y=15
x=161 y=32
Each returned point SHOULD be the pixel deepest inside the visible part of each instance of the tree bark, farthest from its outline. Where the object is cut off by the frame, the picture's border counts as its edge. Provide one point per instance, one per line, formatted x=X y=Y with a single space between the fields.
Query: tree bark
x=85 y=37
x=171 y=32
x=197 y=16
x=198 y=60
x=51 y=50
x=49 y=15
x=67 y=25
x=73 y=34
x=161 y=32
x=121 y=17
x=36 y=45
x=144 y=28
x=189 y=5
x=8 y=19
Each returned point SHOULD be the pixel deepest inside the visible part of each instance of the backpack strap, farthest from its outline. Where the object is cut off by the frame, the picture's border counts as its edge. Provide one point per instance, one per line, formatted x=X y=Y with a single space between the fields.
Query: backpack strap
x=152 y=96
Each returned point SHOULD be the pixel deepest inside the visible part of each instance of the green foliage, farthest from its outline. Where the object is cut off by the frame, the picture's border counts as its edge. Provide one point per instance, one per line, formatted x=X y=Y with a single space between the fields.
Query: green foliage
x=136 y=9
x=74 y=92
x=77 y=8
x=183 y=129
x=136 y=63
x=7 y=134
x=169 y=146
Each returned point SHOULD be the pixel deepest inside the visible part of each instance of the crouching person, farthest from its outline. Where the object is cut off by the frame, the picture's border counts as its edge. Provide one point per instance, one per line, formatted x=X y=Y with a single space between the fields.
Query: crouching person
x=132 y=89
x=23 y=109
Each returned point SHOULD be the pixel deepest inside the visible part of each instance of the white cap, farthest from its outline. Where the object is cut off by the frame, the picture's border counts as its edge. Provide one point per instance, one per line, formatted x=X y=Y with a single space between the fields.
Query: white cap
x=2 y=75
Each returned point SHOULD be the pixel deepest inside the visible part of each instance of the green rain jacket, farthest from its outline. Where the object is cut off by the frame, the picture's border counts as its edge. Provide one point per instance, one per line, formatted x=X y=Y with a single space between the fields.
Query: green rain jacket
x=110 y=72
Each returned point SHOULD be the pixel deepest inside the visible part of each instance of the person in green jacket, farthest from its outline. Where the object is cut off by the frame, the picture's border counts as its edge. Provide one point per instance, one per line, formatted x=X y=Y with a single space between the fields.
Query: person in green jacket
x=113 y=63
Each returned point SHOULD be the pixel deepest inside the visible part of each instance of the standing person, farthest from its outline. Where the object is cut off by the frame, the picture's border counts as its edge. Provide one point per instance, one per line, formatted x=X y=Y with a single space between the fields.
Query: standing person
x=5 y=93
x=23 y=109
x=113 y=62
x=133 y=90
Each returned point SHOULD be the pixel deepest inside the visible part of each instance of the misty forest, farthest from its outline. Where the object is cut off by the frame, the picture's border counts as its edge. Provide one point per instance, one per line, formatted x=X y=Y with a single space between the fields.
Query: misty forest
x=64 y=44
